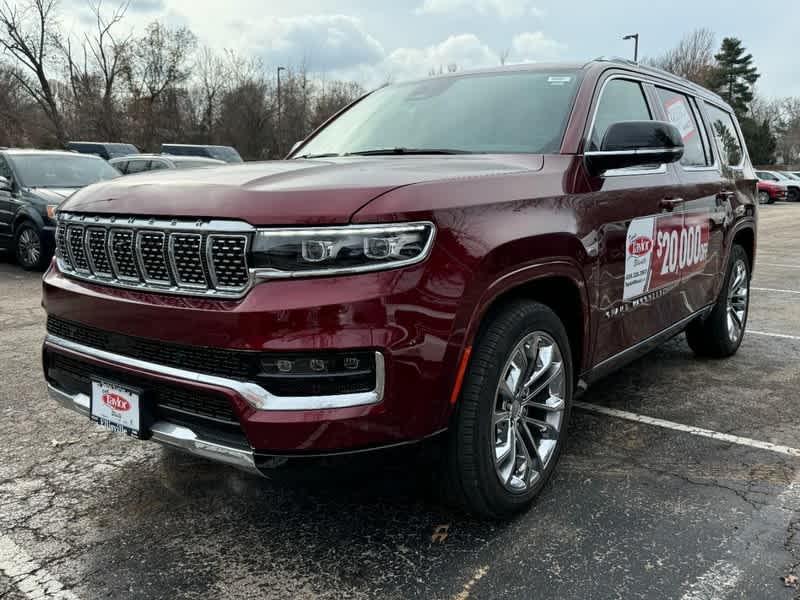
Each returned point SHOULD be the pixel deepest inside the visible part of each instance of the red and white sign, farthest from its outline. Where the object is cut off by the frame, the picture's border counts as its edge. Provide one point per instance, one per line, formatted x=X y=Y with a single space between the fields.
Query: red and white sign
x=679 y=115
x=660 y=250
x=115 y=407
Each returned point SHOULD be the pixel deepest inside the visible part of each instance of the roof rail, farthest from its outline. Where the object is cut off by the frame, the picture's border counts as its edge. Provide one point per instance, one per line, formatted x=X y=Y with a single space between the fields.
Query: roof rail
x=661 y=73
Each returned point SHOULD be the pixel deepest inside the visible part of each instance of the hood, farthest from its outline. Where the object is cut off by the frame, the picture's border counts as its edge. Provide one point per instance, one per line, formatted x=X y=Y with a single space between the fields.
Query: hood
x=284 y=192
x=53 y=195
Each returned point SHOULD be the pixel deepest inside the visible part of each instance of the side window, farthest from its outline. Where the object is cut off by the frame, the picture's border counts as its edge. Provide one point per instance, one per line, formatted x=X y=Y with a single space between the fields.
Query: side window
x=122 y=167
x=137 y=166
x=157 y=165
x=622 y=100
x=730 y=148
x=679 y=112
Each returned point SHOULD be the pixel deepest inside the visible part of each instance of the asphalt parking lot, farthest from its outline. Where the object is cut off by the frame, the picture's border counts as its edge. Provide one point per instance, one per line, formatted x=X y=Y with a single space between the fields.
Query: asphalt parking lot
x=635 y=510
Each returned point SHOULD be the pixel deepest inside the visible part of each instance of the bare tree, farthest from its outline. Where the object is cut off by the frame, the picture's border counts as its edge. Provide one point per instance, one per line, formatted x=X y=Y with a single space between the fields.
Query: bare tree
x=213 y=75
x=28 y=33
x=692 y=58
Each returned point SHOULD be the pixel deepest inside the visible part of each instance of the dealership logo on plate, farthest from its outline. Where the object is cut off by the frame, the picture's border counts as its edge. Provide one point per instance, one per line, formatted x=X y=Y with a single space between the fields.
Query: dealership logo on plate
x=640 y=246
x=116 y=402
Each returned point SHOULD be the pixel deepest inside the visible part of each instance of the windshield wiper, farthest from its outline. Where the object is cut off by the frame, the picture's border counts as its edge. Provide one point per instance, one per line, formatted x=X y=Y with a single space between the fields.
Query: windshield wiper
x=392 y=151
x=324 y=155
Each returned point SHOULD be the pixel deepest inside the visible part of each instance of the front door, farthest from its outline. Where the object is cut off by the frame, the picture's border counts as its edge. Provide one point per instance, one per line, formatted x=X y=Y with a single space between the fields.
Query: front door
x=8 y=207
x=637 y=292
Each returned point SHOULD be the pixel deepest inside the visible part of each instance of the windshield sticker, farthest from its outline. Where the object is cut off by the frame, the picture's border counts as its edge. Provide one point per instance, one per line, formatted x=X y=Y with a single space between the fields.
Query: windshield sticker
x=558 y=80
x=660 y=250
x=679 y=115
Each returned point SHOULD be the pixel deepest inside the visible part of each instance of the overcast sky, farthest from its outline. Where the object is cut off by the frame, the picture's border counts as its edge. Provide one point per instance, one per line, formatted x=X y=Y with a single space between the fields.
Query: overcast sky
x=371 y=40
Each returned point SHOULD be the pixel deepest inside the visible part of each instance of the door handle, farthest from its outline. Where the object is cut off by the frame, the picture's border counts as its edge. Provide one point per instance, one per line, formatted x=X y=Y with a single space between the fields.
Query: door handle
x=671 y=203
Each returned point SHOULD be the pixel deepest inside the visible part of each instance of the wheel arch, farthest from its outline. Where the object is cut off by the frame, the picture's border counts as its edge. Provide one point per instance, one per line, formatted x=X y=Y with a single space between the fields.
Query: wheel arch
x=745 y=236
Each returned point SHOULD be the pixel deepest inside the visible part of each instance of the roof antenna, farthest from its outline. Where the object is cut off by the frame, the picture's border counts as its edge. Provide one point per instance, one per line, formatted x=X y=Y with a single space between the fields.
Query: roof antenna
x=635 y=38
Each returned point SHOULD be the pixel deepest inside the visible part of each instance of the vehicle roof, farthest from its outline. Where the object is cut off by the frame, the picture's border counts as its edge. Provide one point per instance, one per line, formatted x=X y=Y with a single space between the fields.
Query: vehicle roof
x=172 y=157
x=600 y=64
x=195 y=145
x=100 y=143
x=33 y=151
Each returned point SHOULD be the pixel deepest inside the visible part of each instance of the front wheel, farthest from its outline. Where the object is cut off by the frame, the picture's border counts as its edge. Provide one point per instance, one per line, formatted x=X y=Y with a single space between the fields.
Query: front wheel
x=720 y=334
x=510 y=425
x=763 y=198
x=29 y=249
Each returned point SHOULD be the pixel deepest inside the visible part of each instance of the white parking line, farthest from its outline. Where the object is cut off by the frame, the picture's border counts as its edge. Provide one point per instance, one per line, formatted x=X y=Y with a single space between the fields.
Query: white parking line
x=776 y=290
x=715 y=435
x=760 y=264
x=28 y=576
x=716 y=583
x=776 y=335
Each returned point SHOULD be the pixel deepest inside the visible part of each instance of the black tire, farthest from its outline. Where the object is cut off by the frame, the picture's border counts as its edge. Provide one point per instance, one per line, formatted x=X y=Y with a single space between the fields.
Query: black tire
x=711 y=336
x=29 y=249
x=764 y=198
x=470 y=478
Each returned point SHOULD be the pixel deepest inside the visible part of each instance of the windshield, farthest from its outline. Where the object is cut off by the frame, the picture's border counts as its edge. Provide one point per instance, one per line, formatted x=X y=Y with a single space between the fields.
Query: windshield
x=225 y=153
x=61 y=170
x=780 y=175
x=121 y=149
x=507 y=112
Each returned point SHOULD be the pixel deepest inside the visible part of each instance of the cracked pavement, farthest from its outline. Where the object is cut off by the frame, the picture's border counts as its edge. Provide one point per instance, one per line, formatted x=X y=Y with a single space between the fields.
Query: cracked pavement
x=633 y=511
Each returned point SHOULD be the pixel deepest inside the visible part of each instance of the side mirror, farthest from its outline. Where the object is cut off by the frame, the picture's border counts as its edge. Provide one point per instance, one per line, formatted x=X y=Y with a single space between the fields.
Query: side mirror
x=5 y=185
x=636 y=143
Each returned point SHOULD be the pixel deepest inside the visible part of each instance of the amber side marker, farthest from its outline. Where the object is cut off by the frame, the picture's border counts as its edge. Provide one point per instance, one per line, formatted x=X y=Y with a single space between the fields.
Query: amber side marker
x=462 y=370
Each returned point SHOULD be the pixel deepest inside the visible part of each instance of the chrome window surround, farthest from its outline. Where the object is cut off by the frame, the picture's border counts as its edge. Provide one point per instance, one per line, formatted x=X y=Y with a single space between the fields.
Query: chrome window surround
x=137 y=226
x=255 y=395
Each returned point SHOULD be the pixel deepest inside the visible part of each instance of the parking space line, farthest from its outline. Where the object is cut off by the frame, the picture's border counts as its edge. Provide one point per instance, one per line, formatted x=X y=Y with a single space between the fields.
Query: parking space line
x=759 y=289
x=28 y=576
x=776 y=335
x=715 y=583
x=699 y=431
x=760 y=264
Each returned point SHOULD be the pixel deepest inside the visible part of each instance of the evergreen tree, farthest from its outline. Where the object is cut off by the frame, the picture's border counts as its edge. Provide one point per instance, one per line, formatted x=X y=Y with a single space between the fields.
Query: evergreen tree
x=734 y=76
x=761 y=141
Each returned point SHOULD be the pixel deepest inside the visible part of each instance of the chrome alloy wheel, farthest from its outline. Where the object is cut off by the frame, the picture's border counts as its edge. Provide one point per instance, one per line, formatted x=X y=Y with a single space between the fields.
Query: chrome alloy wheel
x=737 y=300
x=29 y=247
x=528 y=411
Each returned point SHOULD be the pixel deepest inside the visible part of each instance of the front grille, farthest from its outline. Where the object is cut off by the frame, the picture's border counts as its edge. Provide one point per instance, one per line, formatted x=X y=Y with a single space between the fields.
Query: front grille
x=195 y=258
x=235 y=364
x=188 y=407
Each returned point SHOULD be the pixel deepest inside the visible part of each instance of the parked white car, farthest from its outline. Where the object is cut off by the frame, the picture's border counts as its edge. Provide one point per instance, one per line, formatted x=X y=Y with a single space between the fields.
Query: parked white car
x=139 y=163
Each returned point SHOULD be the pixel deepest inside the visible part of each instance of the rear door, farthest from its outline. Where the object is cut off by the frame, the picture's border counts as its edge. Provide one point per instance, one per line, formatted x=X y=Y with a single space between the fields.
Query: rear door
x=634 y=302
x=695 y=248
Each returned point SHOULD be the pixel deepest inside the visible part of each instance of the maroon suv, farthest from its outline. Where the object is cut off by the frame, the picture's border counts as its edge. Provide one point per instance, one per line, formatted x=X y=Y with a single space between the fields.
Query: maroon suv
x=449 y=257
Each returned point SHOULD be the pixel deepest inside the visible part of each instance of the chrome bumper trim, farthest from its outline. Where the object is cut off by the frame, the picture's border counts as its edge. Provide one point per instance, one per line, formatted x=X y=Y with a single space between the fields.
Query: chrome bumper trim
x=255 y=395
x=170 y=434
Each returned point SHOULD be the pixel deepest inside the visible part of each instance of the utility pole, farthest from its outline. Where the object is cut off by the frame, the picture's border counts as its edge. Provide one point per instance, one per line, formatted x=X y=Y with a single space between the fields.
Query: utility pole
x=635 y=38
x=278 y=126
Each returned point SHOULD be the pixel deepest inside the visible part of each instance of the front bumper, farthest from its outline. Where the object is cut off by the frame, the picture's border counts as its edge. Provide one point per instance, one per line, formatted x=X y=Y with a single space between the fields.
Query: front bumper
x=170 y=434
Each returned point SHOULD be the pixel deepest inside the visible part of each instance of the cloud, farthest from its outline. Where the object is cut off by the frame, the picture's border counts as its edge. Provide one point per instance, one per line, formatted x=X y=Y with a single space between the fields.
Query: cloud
x=145 y=6
x=465 y=51
x=507 y=9
x=535 y=46
x=323 y=42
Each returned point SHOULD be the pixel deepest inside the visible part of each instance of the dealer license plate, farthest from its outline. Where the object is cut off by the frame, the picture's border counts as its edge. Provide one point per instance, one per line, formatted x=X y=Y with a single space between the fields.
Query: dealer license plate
x=116 y=407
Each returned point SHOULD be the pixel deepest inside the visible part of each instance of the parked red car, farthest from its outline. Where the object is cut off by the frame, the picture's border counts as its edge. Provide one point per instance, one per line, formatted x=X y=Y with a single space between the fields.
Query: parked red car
x=450 y=257
x=769 y=192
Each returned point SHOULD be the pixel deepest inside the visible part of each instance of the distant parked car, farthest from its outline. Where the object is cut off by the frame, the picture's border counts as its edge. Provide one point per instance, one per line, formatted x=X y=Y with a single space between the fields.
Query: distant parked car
x=792 y=185
x=770 y=191
x=32 y=185
x=139 y=163
x=226 y=153
x=104 y=150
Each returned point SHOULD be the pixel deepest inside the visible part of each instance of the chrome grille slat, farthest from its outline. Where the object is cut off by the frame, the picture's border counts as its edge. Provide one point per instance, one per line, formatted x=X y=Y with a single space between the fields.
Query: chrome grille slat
x=200 y=258
x=96 y=251
x=76 y=248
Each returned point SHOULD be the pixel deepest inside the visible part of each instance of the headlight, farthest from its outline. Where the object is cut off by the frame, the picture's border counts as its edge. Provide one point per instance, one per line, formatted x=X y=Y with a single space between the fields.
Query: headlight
x=318 y=251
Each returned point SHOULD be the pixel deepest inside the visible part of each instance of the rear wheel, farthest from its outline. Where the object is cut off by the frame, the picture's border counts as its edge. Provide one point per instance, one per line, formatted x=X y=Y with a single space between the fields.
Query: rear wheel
x=510 y=424
x=28 y=248
x=720 y=334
